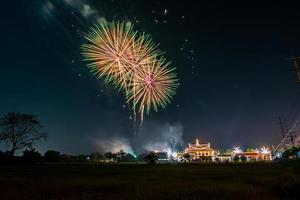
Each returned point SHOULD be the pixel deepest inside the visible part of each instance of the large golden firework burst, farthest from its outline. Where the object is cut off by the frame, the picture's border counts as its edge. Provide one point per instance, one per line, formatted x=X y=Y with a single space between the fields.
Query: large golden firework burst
x=132 y=62
x=109 y=50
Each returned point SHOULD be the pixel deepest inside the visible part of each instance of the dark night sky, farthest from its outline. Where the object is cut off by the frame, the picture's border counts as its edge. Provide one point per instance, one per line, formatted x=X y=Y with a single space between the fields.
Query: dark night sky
x=230 y=58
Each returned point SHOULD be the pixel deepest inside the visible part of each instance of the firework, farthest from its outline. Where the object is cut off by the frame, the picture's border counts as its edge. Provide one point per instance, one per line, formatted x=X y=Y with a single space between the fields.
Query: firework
x=237 y=150
x=265 y=150
x=153 y=86
x=132 y=62
x=108 y=50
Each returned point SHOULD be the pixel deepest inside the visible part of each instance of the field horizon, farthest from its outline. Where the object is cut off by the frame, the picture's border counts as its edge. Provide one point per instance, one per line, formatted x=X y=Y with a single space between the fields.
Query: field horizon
x=160 y=181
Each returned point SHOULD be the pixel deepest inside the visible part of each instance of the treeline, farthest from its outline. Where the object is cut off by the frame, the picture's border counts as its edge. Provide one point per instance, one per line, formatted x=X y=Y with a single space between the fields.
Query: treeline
x=21 y=131
x=34 y=157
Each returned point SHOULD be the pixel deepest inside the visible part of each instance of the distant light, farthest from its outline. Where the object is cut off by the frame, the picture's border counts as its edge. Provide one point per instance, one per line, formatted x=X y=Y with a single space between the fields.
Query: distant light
x=279 y=154
x=265 y=150
x=237 y=150
x=174 y=154
x=165 y=11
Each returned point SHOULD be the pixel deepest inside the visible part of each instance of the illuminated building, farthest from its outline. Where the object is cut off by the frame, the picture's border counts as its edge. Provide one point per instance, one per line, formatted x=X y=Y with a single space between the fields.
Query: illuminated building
x=201 y=152
x=263 y=154
x=224 y=158
x=204 y=152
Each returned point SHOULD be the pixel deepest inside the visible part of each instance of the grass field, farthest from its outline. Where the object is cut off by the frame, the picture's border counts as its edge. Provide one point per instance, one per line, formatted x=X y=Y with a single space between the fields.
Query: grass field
x=137 y=181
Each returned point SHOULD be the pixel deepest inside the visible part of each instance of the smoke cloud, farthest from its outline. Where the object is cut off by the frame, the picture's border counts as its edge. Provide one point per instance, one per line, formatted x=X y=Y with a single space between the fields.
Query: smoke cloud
x=154 y=137
x=167 y=138
x=84 y=8
x=113 y=145
x=81 y=6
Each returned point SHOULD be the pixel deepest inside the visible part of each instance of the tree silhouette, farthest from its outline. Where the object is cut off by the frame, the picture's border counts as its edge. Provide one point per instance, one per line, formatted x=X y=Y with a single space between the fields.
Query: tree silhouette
x=151 y=158
x=20 y=131
x=31 y=156
x=96 y=157
x=187 y=157
x=120 y=155
x=111 y=156
x=52 y=156
x=129 y=158
x=243 y=158
x=236 y=158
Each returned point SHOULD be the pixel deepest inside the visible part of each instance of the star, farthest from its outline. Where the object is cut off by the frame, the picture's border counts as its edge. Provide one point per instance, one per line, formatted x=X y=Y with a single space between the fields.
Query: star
x=165 y=11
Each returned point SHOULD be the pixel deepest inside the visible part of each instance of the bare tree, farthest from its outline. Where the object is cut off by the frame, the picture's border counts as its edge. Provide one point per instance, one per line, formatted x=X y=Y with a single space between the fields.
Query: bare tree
x=20 y=131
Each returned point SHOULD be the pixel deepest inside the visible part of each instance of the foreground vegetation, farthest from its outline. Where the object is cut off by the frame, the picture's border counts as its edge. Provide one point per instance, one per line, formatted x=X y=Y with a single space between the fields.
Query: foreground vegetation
x=139 y=181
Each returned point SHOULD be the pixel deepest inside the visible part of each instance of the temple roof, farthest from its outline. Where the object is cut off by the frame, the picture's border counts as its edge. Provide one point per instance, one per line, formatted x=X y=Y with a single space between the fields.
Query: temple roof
x=197 y=145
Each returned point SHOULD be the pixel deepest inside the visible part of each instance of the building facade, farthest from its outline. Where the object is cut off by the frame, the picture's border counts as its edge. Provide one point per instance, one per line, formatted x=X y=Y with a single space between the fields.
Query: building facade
x=205 y=153
x=252 y=156
x=201 y=152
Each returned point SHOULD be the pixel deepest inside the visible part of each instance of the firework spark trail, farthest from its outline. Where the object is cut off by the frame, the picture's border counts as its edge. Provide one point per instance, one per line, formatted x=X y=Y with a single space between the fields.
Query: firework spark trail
x=154 y=86
x=133 y=63
x=108 y=49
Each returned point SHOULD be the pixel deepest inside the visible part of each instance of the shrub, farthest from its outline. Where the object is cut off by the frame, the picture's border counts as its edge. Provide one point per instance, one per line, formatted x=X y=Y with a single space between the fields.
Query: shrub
x=52 y=156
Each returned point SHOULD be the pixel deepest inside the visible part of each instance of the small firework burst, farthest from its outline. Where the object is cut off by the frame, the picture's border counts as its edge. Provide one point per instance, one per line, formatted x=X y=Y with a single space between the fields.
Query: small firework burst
x=153 y=86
